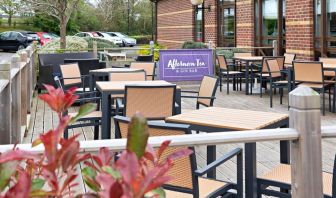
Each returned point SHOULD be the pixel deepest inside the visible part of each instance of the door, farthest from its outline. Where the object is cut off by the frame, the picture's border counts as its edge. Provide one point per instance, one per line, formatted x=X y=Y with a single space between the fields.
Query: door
x=227 y=25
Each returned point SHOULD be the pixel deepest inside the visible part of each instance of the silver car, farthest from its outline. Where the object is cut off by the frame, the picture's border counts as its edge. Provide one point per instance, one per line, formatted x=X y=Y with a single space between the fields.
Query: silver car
x=127 y=41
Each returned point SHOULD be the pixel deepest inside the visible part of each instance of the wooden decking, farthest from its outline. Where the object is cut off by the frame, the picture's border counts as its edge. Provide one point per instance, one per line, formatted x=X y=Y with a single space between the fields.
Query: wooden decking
x=268 y=155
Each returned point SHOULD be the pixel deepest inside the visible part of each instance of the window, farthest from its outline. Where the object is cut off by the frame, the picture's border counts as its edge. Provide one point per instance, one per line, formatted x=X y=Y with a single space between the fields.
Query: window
x=4 y=36
x=226 y=23
x=270 y=22
x=325 y=28
x=199 y=29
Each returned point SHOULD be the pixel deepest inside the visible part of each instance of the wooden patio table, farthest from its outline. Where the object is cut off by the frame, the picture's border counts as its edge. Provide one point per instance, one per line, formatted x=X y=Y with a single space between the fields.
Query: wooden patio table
x=217 y=119
x=108 y=88
x=247 y=60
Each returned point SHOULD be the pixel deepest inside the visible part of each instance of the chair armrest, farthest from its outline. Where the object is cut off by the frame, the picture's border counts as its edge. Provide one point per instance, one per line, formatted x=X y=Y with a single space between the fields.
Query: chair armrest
x=199 y=97
x=89 y=99
x=186 y=91
x=236 y=152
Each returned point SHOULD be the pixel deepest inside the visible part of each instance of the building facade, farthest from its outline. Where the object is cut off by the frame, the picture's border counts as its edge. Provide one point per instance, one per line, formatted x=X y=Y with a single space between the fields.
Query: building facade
x=304 y=27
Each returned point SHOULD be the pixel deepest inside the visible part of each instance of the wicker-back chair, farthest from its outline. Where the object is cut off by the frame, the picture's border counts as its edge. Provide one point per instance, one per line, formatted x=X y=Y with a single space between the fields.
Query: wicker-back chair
x=133 y=75
x=280 y=177
x=154 y=102
x=311 y=74
x=206 y=93
x=329 y=74
x=289 y=58
x=92 y=119
x=187 y=182
x=228 y=71
x=71 y=76
x=149 y=68
x=275 y=78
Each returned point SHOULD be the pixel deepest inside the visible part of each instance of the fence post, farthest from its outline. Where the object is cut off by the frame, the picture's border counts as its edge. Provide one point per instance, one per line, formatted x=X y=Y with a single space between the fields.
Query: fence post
x=95 y=50
x=306 y=154
x=5 y=105
x=275 y=47
x=151 y=45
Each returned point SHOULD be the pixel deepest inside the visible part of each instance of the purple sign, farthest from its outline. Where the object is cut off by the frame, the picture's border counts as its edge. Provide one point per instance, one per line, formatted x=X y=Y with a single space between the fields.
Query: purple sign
x=184 y=65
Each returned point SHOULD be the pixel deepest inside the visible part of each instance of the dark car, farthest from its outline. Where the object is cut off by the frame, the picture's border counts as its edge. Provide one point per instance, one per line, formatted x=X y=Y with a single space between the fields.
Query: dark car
x=16 y=40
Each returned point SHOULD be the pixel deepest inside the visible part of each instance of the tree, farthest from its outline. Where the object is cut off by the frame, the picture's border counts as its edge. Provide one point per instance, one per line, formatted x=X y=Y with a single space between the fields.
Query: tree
x=59 y=9
x=11 y=7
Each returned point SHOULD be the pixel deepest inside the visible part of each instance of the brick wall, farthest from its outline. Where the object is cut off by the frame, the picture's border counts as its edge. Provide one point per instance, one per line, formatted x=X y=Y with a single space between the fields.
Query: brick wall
x=245 y=23
x=300 y=28
x=174 y=22
x=210 y=22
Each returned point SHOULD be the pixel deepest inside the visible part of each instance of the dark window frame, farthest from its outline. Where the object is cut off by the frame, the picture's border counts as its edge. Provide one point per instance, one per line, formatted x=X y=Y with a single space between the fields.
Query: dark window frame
x=220 y=6
x=196 y=10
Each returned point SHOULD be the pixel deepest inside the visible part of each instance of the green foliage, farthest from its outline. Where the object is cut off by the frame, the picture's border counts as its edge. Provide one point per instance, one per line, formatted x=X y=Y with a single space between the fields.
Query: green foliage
x=74 y=43
x=50 y=24
x=101 y=43
x=142 y=39
x=194 y=45
x=229 y=53
x=147 y=51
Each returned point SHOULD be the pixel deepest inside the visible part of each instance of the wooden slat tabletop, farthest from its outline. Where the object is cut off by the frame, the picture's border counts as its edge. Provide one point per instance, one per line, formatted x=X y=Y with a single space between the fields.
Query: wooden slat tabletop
x=120 y=85
x=249 y=58
x=329 y=66
x=231 y=119
x=113 y=70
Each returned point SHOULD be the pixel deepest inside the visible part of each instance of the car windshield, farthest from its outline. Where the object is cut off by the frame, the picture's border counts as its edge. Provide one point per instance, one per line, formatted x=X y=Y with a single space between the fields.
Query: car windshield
x=121 y=34
x=46 y=36
x=106 y=35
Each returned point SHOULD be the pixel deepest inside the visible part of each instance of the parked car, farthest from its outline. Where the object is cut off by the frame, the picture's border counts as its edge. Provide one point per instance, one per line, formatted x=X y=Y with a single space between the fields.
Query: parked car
x=44 y=37
x=88 y=34
x=16 y=40
x=53 y=35
x=127 y=41
x=114 y=39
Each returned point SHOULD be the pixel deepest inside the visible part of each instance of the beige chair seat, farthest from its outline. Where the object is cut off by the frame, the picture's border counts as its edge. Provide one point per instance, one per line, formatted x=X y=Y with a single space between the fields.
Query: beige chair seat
x=282 y=173
x=315 y=85
x=206 y=186
x=329 y=73
x=94 y=114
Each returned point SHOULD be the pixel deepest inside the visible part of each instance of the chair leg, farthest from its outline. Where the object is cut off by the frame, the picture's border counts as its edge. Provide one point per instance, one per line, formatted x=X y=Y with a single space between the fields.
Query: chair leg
x=323 y=103
x=96 y=132
x=240 y=81
x=260 y=87
x=329 y=99
x=66 y=133
x=281 y=94
x=227 y=85
x=271 y=96
x=220 y=83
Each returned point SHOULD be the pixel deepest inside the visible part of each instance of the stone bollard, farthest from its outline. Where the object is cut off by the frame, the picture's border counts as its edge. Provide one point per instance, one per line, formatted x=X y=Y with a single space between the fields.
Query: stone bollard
x=5 y=68
x=15 y=61
x=306 y=152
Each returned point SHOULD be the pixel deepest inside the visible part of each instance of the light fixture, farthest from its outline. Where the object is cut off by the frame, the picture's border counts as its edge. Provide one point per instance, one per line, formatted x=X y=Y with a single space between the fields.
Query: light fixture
x=196 y=2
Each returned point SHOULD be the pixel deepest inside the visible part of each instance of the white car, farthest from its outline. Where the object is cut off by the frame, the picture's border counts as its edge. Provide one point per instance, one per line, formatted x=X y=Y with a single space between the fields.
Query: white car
x=127 y=41
x=114 y=39
x=88 y=34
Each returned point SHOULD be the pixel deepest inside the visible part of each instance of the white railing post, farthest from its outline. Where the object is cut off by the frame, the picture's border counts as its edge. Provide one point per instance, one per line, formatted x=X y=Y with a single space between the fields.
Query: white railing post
x=5 y=104
x=95 y=49
x=24 y=86
x=275 y=48
x=306 y=152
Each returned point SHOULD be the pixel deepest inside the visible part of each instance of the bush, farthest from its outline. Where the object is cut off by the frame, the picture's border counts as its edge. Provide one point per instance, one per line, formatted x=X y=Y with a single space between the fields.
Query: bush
x=101 y=43
x=229 y=53
x=74 y=43
x=147 y=51
x=143 y=39
x=194 y=45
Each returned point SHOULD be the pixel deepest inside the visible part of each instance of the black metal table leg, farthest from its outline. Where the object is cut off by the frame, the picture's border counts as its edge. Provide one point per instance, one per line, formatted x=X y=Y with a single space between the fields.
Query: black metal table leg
x=211 y=156
x=106 y=116
x=250 y=170
x=247 y=79
x=178 y=101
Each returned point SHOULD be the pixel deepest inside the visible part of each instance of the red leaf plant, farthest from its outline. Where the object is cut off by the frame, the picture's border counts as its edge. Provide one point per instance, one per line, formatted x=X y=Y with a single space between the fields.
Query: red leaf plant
x=138 y=172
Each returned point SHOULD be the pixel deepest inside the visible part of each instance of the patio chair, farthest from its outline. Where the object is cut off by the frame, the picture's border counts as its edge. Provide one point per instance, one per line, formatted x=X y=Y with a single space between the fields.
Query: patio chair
x=154 y=102
x=149 y=68
x=71 y=76
x=241 y=65
x=92 y=119
x=329 y=74
x=186 y=180
x=206 y=93
x=264 y=75
x=224 y=72
x=310 y=74
x=289 y=58
x=276 y=79
x=280 y=177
